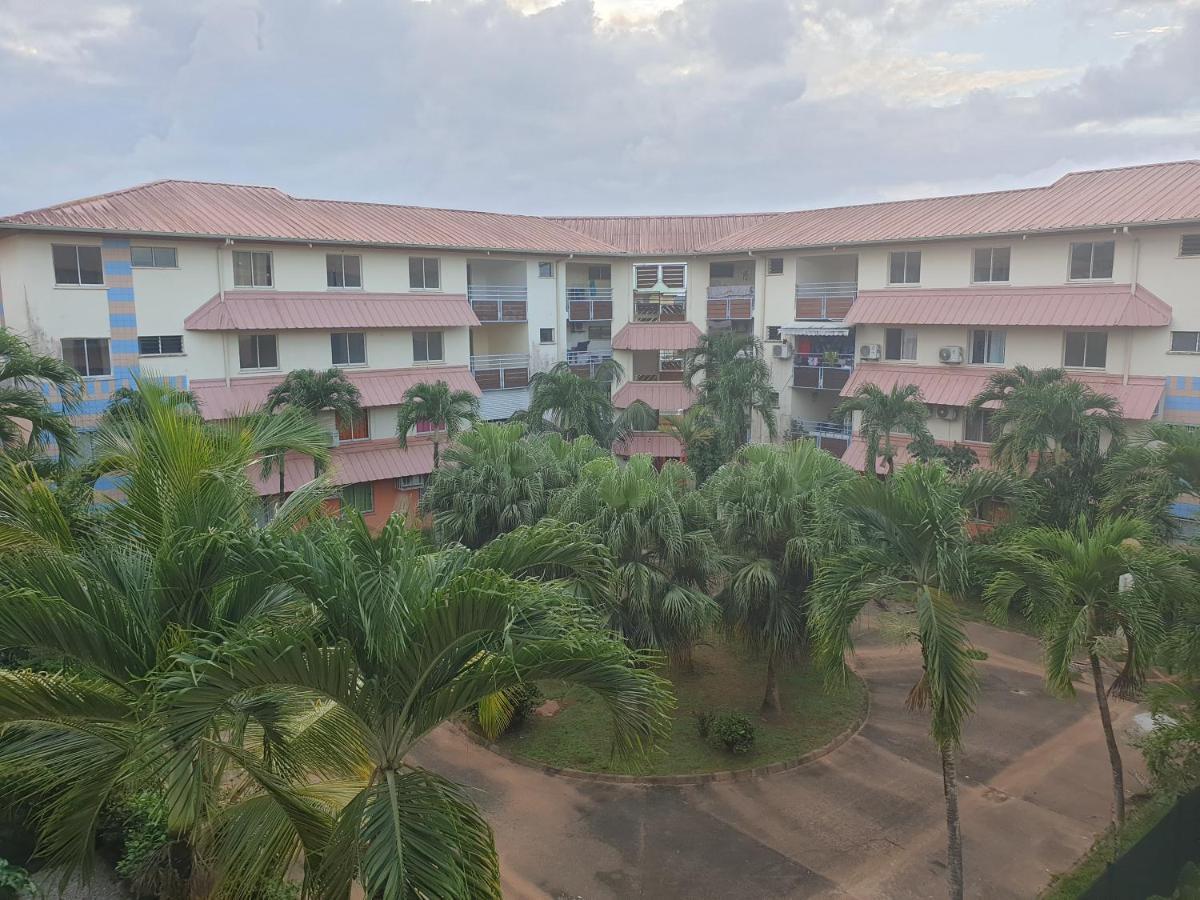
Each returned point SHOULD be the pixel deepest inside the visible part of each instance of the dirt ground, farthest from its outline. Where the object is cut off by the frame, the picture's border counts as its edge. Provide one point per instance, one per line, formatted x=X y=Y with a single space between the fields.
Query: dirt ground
x=867 y=821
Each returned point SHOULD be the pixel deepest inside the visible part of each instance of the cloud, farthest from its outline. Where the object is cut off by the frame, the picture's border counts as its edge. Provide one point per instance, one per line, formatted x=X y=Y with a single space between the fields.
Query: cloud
x=624 y=106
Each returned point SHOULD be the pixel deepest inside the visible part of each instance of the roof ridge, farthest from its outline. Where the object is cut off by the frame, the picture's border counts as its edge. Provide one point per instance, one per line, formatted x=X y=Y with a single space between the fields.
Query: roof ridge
x=90 y=199
x=1154 y=165
x=729 y=215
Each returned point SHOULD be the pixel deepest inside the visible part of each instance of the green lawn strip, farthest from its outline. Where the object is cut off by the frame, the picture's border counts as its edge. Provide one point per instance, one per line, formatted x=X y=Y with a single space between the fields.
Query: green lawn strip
x=1144 y=814
x=579 y=736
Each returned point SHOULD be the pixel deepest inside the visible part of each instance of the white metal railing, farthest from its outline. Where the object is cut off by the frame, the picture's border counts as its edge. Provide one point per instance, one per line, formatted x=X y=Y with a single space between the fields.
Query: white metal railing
x=825 y=299
x=814 y=428
x=582 y=292
x=586 y=304
x=500 y=371
x=587 y=357
x=497 y=292
x=499 y=361
x=826 y=289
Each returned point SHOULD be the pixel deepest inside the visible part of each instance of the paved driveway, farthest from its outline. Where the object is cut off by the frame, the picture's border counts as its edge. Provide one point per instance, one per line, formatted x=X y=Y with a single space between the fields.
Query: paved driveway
x=866 y=821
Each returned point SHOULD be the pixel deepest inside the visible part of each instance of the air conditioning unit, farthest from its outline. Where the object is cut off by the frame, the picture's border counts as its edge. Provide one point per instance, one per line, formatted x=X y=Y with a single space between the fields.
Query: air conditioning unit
x=870 y=351
x=949 y=413
x=951 y=355
x=781 y=351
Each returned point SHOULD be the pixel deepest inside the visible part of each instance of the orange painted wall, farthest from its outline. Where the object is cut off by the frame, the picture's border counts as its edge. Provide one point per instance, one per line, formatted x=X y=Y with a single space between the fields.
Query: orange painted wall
x=388 y=500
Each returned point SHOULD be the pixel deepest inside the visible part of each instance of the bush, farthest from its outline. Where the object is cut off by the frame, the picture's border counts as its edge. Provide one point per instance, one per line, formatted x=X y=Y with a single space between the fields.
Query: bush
x=15 y=882
x=704 y=722
x=733 y=731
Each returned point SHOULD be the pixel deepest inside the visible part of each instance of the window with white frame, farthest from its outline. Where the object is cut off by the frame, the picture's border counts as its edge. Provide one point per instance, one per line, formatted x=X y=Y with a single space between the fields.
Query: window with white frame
x=1185 y=341
x=670 y=361
x=987 y=347
x=1189 y=245
x=775 y=265
x=359 y=497
x=356 y=428
x=253 y=268
x=258 y=351
x=77 y=264
x=154 y=257
x=900 y=343
x=424 y=273
x=343 y=270
x=904 y=267
x=160 y=344
x=87 y=356
x=991 y=264
x=1092 y=260
x=1085 y=349
x=546 y=335
x=673 y=275
x=545 y=270
x=427 y=346
x=348 y=348
x=977 y=426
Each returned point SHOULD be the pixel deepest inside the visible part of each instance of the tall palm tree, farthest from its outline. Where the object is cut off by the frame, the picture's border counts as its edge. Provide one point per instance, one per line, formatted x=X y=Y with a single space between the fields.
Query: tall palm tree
x=914 y=548
x=405 y=641
x=312 y=392
x=576 y=406
x=656 y=527
x=1073 y=585
x=885 y=413
x=445 y=411
x=22 y=375
x=777 y=513
x=1147 y=475
x=735 y=384
x=130 y=403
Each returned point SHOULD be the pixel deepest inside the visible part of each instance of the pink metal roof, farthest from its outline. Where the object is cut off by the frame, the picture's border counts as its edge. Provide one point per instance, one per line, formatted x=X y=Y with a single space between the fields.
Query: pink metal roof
x=1164 y=192
x=942 y=385
x=855 y=455
x=660 y=235
x=657 y=336
x=664 y=396
x=272 y=310
x=1065 y=306
x=379 y=387
x=652 y=443
x=353 y=464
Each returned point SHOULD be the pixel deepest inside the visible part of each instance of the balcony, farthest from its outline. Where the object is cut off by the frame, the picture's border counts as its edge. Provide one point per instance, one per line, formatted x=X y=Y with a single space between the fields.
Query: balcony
x=665 y=308
x=589 y=304
x=825 y=299
x=829 y=436
x=501 y=371
x=818 y=373
x=584 y=363
x=498 y=302
x=730 y=301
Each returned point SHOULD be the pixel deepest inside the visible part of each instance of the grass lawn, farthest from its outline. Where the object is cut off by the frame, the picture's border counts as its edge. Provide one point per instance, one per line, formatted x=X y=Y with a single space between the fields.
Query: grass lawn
x=726 y=679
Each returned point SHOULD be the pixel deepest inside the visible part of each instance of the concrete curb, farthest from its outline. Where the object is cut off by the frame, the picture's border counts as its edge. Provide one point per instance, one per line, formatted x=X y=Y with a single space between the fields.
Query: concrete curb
x=726 y=775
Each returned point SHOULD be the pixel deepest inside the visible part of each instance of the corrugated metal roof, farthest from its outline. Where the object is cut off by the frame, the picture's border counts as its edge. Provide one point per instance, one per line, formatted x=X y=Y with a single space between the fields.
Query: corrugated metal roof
x=855 y=455
x=1067 y=306
x=380 y=387
x=271 y=310
x=662 y=235
x=652 y=443
x=664 y=396
x=1163 y=192
x=354 y=464
x=657 y=336
x=1139 y=397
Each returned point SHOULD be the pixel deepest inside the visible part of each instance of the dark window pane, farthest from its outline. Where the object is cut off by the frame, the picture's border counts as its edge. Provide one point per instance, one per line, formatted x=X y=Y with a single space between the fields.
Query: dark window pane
x=262 y=270
x=1097 y=350
x=247 y=352
x=1185 y=341
x=892 y=341
x=1081 y=260
x=165 y=258
x=1102 y=259
x=420 y=351
x=356 y=348
x=435 y=345
x=141 y=256
x=243 y=269
x=333 y=270
x=148 y=346
x=1073 y=354
x=416 y=272
x=268 y=357
x=98 y=362
x=66 y=264
x=896 y=273
x=91 y=270
x=995 y=351
x=1000 y=258
x=983 y=265
x=75 y=354
x=171 y=343
x=720 y=270
x=432 y=274
x=775 y=265
x=912 y=271
x=979 y=347
x=352 y=269
x=337 y=344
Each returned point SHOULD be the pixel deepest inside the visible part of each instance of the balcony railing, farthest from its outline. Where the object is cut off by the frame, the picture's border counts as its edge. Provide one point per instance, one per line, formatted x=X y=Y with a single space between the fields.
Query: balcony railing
x=674 y=375
x=730 y=301
x=585 y=362
x=818 y=374
x=829 y=436
x=668 y=309
x=498 y=302
x=588 y=304
x=825 y=299
x=500 y=371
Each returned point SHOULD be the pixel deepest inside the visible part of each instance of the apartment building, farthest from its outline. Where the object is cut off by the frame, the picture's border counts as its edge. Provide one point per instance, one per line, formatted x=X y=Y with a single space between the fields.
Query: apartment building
x=223 y=289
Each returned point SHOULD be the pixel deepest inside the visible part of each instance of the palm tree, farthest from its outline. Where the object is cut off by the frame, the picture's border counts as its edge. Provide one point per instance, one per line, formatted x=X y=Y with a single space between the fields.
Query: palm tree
x=442 y=409
x=312 y=392
x=694 y=429
x=1147 y=475
x=914 y=548
x=656 y=528
x=883 y=414
x=498 y=478
x=735 y=385
x=405 y=641
x=130 y=403
x=1073 y=585
x=575 y=406
x=777 y=512
x=22 y=376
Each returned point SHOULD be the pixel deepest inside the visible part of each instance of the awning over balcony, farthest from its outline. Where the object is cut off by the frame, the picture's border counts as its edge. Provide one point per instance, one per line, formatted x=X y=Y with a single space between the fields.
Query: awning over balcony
x=1139 y=397
x=657 y=336
x=1060 y=306
x=664 y=396
x=353 y=464
x=651 y=443
x=275 y=310
x=856 y=453
x=815 y=329
x=383 y=387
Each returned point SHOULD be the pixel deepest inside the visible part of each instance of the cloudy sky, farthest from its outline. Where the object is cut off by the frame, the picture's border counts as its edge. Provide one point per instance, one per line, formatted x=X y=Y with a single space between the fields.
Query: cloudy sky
x=607 y=106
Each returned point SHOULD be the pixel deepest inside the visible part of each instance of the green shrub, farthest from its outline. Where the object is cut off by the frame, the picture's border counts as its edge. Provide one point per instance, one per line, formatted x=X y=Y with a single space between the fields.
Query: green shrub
x=704 y=721
x=15 y=882
x=142 y=821
x=733 y=731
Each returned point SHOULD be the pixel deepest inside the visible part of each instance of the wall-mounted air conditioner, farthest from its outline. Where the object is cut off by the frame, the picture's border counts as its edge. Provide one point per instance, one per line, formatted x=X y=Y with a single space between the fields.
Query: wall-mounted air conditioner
x=951 y=355
x=870 y=351
x=781 y=351
x=949 y=413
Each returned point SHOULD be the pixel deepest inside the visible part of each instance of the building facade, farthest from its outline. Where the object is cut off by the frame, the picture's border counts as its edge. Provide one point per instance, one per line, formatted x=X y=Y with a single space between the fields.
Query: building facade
x=222 y=289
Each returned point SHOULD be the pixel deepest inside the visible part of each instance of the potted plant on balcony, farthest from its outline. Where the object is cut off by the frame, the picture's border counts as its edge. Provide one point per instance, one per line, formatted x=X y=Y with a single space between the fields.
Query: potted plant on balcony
x=829 y=358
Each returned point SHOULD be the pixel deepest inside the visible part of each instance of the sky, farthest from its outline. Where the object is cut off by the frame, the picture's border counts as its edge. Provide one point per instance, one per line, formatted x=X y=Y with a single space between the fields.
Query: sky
x=591 y=106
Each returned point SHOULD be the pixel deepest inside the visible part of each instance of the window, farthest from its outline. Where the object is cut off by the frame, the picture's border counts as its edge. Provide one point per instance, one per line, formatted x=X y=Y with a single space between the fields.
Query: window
x=159 y=344
x=77 y=264
x=775 y=265
x=1086 y=349
x=153 y=257
x=900 y=343
x=343 y=270
x=424 y=273
x=991 y=264
x=1189 y=245
x=600 y=273
x=426 y=427
x=977 y=426
x=545 y=270
x=258 y=351
x=427 y=346
x=359 y=497
x=774 y=333
x=600 y=332
x=87 y=356
x=546 y=335
x=720 y=270
x=904 y=267
x=673 y=275
x=413 y=483
x=1092 y=259
x=1185 y=341
x=252 y=268
x=349 y=349
x=670 y=361
x=987 y=347
x=357 y=428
